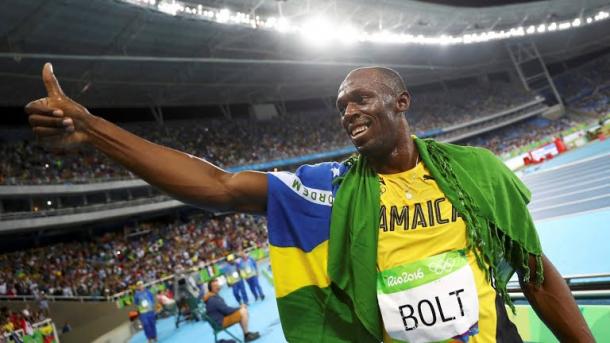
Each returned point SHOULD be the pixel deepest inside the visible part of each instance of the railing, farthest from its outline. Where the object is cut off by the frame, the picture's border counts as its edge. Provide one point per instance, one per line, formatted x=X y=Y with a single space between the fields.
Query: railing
x=116 y=296
x=538 y=100
x=491 y=126
x=83 y=209
x=20 y=333
x=583 y=286
x=76 y=298
x=119 y=295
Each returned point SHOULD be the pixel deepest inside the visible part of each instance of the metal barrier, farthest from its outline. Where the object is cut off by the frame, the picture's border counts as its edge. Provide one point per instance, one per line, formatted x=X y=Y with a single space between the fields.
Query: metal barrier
x=589 y=285
x=583 y=286
x=20 y=333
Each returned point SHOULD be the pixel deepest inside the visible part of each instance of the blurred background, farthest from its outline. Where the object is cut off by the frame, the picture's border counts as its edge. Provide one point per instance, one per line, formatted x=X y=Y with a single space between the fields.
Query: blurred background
x=252 y=84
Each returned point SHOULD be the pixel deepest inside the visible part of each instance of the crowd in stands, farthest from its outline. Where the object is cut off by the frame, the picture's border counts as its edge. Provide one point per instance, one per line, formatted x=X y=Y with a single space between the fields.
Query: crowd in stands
x=587 y=88
x=520 y=134
x=440 y=109
x=12 y=321
x=241 y=142
x=110 y=263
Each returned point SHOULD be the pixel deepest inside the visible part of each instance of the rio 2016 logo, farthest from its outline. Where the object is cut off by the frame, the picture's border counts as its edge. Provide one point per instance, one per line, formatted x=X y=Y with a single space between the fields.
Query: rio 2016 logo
x=404 y=277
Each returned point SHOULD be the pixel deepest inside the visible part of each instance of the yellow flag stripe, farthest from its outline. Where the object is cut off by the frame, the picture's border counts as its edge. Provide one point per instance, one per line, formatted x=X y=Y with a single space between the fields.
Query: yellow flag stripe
x=293 y=268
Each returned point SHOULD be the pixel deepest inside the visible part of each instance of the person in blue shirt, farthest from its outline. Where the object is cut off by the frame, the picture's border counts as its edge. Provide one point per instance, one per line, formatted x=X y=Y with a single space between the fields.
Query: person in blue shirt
x=225 y=316
x=145 y=302
x=234 y=280
x=249 y=271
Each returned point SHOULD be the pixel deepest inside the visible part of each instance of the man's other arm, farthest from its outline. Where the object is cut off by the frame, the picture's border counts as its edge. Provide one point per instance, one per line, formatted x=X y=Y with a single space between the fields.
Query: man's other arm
x=62 y=123
x=555 y=305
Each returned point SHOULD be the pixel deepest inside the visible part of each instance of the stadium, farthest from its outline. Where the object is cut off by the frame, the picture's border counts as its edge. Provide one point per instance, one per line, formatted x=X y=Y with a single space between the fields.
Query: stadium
x=246 y=229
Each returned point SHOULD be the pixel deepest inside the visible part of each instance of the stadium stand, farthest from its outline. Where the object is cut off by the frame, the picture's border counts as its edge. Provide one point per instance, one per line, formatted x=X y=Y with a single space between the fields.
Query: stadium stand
x=111 y=263
x=240 y=142
x=79 y=230
x=587 y=87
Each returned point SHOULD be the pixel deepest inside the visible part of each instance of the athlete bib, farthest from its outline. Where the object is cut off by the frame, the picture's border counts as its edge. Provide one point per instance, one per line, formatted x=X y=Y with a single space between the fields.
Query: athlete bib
x=430 y=300
x=247 y=272
x=144 y=306
x=232 y=278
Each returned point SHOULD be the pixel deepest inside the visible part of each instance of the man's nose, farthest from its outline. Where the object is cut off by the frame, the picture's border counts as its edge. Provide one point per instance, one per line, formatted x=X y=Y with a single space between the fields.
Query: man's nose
x=351 y=110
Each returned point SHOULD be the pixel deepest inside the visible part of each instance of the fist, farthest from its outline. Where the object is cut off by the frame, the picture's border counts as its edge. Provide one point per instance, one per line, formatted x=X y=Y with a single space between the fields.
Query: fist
x=57 y=120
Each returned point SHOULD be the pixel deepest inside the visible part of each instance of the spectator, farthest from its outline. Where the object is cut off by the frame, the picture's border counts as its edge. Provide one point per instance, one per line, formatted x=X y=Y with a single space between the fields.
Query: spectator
x=225 y=316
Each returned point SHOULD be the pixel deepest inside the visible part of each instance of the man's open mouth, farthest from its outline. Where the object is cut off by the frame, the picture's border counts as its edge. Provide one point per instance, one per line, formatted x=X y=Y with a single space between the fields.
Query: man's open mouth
x=359 y=130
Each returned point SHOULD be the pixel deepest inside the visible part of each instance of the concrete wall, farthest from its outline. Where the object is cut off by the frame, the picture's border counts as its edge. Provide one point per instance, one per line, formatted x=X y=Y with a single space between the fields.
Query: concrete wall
x=89 y=320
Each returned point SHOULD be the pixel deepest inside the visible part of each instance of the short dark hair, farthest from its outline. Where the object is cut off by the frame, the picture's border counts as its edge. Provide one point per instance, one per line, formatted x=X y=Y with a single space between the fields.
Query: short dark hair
x=392 y=79
x=210 y=284
x=387 y=76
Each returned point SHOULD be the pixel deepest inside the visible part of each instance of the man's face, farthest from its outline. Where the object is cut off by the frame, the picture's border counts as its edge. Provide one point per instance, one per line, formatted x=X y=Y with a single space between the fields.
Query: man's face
x=368 y=112
x=215 y=286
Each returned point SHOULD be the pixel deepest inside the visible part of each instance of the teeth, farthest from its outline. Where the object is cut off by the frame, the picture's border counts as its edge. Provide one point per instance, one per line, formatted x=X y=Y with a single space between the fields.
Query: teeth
x=358 y=130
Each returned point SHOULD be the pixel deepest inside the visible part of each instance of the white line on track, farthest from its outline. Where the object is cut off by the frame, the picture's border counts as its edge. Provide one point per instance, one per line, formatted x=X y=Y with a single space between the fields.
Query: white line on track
x=571 y=203
x=572 y=185
x=602 y=209
x=568 y=164
x=570 y=193
x=576 y=174
x=605 y=164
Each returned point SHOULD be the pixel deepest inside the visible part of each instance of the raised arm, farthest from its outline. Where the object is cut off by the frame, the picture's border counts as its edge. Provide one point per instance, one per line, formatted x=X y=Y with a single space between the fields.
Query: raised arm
x=61 y=122
x=555 y=304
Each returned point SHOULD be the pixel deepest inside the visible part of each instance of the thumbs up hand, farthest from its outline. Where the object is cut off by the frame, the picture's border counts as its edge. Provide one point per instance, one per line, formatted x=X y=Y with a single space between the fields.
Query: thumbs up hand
x=57 y=120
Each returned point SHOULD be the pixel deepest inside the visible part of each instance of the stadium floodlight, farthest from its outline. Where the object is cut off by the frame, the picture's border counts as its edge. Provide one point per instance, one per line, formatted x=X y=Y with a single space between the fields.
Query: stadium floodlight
x=169 y=7
x=320 y=31
x=348 y=35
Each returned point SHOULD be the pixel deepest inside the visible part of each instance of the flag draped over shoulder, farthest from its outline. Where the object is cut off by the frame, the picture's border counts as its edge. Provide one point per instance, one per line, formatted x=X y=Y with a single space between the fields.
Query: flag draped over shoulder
x=323 y=224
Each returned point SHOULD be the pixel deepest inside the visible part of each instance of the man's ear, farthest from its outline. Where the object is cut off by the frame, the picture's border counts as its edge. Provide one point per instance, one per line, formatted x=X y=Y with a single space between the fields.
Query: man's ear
x=403 y=102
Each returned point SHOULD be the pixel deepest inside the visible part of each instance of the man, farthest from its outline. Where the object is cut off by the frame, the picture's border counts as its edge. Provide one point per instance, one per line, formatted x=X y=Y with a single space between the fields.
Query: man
x=225 y=316
x=249 y=271
x=234 y=279
x=341 y=234
x=145 y=302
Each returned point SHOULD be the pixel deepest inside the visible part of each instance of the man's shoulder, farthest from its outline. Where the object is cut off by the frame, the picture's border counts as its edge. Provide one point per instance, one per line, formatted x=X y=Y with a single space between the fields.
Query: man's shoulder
x=316 y=176
x=213 y=299
x=465 y=155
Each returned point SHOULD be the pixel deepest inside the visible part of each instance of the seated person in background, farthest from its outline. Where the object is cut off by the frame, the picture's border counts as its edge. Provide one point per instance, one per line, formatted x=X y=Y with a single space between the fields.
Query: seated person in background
x=225 y=316
x=168 y=304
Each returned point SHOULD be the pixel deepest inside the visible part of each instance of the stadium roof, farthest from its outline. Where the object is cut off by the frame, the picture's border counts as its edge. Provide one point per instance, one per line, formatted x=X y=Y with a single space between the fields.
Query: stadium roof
x=113 y=53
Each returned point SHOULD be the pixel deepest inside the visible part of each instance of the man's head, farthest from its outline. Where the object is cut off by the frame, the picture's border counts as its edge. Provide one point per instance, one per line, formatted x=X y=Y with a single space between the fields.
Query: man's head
x=140 y=285
x=243 y=255
x=372 y=102
x=213 y=286
x=231 y=259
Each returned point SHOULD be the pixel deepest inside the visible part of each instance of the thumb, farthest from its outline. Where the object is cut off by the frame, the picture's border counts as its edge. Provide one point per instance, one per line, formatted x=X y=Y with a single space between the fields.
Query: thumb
x=50 y=81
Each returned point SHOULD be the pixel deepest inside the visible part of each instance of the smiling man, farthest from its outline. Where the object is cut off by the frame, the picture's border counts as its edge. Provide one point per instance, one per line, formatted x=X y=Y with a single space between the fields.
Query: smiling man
x=412 y=240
